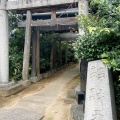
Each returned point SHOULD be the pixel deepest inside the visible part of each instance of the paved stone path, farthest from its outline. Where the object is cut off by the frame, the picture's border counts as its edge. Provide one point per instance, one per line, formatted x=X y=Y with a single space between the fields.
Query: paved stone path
x=32 y=107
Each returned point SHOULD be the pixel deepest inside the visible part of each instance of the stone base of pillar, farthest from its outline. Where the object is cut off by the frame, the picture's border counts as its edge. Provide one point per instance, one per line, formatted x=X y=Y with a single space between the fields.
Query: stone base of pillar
x=55 y=70
x=6 y=85
x=76 y=112
x=25 y=83
x=58 y=69
x=40 y=77
x=34 y=79
x=49 y=73
x=45 y=75
x=66 y=65
x=10 y=89
x=52 y=71
x=61 y=68
x=70 y=63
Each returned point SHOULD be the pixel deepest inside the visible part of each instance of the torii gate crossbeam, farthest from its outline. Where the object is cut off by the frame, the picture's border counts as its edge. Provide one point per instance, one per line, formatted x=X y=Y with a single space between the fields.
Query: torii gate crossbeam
x=25 y=4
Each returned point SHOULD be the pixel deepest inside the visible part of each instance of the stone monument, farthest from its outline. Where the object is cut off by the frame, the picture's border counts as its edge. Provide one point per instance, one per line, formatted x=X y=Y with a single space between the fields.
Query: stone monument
x=99 y=103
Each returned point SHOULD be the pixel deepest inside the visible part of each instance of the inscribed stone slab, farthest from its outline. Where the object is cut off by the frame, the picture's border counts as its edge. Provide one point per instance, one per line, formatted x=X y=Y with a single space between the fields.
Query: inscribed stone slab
x=99 y=104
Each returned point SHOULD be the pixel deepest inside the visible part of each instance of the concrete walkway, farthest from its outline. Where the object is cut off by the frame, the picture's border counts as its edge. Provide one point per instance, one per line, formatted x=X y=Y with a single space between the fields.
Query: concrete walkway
x=32 y=107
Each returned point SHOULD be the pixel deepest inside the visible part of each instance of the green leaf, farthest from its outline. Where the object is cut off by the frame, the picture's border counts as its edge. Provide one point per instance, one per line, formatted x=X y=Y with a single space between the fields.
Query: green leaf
x=104 y=55
x=105 y=61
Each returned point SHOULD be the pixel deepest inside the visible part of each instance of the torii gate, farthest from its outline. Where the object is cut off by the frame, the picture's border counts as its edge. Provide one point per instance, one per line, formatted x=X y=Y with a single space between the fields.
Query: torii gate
x=53 y=24
x=31 y=6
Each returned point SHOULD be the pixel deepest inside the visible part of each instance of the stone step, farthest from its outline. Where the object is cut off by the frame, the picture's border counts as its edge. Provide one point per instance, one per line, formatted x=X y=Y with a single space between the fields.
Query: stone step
x=10 y=90
x=76 y=112
x=71 y=94
x=69 y=101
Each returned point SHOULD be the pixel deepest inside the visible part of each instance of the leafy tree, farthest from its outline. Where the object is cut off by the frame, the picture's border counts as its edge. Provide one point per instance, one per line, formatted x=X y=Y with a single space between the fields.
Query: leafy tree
x=16 y=44
x=101 y=39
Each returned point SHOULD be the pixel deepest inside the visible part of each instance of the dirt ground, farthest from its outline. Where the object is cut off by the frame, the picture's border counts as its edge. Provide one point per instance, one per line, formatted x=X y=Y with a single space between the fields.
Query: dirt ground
x=58 y=110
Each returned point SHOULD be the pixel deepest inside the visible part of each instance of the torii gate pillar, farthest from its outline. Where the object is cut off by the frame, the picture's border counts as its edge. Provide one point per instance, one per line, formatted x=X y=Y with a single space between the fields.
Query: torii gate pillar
x=4 y=44
x=83 y=9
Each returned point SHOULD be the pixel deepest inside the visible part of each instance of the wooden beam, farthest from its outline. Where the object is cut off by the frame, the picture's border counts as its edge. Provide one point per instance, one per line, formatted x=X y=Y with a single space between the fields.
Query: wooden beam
x=47 y=9
x=34 y=44
x=55 y=55
x=53 y=25
x=28 y=4
x=67 y=36
x=26 y=56
x=52 y=55
x=50 y=22
x=68 y=39
x=60 y=54
x=38 y=53
x=66 y=54
x=58 y=27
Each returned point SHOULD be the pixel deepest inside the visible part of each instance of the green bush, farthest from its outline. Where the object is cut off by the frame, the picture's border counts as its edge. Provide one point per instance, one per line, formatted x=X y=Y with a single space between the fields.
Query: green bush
x=16 y=44
x=101 y=39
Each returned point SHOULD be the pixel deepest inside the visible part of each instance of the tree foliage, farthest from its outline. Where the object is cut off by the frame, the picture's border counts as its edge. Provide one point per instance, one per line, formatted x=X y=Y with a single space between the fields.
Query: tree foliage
x=101 y=39
x=16 y=46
